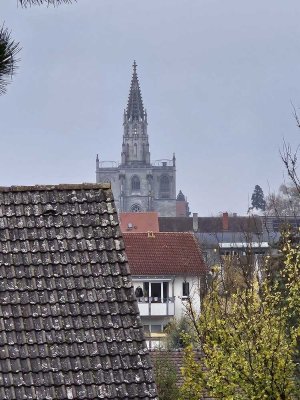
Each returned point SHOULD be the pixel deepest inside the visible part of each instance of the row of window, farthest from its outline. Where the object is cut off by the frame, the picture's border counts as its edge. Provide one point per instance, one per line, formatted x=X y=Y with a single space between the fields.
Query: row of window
x=158 y=292
x=164 y=185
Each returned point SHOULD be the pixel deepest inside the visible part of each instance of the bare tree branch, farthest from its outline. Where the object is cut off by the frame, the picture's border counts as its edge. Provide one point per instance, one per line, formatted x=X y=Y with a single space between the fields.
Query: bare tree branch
x=296 y=115
x=290 y=159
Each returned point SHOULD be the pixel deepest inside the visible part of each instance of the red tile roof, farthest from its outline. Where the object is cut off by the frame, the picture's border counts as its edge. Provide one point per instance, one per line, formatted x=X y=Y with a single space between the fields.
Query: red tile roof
x=140 y=222
x=164 y=254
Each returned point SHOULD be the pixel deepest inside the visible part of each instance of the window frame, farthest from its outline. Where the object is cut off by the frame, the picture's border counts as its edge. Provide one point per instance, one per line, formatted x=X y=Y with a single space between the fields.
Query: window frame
x=135 y=183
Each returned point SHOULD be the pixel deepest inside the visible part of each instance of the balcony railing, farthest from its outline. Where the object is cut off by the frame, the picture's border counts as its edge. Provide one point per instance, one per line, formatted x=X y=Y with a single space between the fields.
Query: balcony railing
x=156 y=306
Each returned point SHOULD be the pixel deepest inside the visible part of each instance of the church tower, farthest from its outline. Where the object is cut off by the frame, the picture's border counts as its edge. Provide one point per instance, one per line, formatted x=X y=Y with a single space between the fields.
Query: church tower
x=137 y=183
x=135 y=147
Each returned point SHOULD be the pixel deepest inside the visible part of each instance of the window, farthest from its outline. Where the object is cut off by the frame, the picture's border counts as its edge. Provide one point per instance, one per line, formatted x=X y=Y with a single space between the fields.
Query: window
x=156 y=329
x=156 y=292
x=164 y=187
x=146 y=289
x=185 y=289
x=135 y=183
x=136 y=208
x=165 y=292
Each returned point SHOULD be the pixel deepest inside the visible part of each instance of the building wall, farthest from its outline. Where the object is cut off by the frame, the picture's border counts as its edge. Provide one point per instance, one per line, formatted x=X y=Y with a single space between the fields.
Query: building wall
x=195 y=294
x=110 y=175
x=148 y=197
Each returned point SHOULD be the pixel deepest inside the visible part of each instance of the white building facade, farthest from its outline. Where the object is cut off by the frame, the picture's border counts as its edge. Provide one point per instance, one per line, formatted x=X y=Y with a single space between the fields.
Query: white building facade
x=168 y=273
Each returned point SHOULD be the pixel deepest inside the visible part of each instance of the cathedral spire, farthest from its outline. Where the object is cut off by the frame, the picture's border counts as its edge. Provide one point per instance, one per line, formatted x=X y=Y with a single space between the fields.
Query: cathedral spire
x=135 y=108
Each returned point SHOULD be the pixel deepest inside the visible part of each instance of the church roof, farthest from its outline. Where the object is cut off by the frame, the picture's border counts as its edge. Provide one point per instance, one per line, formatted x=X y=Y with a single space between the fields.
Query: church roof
x=69 y=323
x=135 y=107
x=164 y=254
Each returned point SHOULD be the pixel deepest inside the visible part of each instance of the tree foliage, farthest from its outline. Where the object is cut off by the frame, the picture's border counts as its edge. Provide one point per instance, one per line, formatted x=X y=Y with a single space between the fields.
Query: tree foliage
x=8 y=61
x=257 y=199
x=248 y=339
x=175 y=331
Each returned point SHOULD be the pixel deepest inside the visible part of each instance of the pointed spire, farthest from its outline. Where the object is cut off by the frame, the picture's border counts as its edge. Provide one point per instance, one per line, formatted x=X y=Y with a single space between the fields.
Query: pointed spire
x=135 y=108
x=180 y=196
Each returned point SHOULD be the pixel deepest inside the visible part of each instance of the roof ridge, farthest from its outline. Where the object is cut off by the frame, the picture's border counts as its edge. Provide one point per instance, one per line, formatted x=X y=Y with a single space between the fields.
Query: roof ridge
x=61 y=186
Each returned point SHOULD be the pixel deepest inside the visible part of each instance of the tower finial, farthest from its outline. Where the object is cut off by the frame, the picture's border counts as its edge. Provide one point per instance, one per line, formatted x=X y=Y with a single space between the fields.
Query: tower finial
x=134 y=66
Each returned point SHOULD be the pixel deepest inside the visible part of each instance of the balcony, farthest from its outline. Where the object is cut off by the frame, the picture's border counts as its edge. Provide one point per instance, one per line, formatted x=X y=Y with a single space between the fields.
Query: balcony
x=154 y=306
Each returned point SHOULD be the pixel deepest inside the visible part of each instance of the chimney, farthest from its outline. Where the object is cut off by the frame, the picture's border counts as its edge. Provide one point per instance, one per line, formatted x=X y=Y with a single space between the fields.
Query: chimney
x=225 y=221
x=195 y=222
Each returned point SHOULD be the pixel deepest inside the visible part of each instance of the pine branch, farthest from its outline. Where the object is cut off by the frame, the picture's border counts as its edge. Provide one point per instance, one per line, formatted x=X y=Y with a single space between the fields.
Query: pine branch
x=26 y=3
x=8 y=62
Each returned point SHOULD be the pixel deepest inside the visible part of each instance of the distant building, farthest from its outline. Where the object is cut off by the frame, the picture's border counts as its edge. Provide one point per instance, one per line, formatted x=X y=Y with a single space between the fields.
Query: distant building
x=138 y=184
x=275 y=223
x=223 y=223
x=167 y=270
x=226 y=235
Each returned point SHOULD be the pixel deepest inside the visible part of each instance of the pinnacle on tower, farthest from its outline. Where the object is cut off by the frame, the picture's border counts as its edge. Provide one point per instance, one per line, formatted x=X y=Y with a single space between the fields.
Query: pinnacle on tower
x=135 y=108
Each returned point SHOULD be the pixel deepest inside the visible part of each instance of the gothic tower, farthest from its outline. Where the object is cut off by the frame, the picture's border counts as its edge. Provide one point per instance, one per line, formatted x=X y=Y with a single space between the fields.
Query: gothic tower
x=135 y=147
x=137 y=183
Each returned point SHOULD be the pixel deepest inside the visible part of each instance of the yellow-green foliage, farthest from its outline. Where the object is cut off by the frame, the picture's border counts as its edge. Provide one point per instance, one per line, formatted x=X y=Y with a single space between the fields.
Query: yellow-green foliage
x=291 y=274
x=248 y=342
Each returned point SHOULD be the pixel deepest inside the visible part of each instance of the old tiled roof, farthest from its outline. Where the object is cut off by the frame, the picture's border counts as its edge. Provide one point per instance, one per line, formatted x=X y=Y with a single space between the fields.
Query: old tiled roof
x=210 y=224
x=164 y=254
x=139 y=222
x=175 y=358
x=69 y=323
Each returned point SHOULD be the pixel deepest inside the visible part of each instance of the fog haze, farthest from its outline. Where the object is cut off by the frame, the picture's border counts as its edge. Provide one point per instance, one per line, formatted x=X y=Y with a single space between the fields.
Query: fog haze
x=217 y=79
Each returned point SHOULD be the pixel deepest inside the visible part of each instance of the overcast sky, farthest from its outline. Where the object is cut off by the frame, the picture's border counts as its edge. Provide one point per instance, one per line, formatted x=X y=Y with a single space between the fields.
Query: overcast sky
x=217 y=79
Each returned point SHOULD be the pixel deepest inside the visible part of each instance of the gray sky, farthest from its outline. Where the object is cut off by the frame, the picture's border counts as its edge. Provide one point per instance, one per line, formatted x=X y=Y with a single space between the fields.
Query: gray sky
x=217 y=79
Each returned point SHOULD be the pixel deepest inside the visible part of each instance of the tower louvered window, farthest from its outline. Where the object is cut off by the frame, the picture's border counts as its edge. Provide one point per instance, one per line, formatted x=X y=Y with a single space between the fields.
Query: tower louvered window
x=164 y=187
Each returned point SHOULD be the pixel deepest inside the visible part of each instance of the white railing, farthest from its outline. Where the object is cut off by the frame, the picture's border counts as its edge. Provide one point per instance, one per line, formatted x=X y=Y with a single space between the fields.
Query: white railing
x=154 y=306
